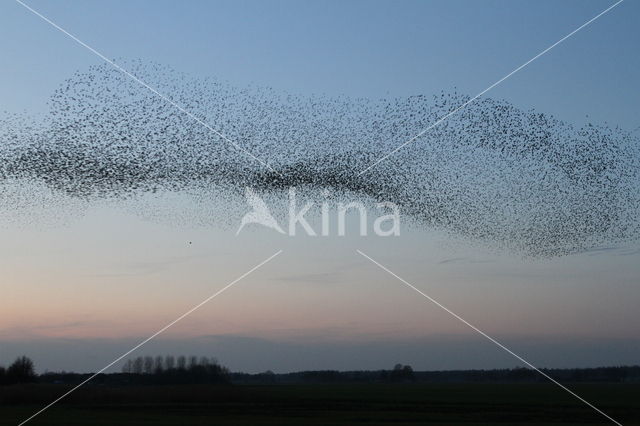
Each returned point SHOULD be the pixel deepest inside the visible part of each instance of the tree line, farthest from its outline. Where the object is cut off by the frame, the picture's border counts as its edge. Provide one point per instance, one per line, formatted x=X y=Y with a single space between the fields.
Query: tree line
x=199 y=370
x=174 y=370
x=170 y=369
x=141 y=370
x=159 y=364
x=405 y=374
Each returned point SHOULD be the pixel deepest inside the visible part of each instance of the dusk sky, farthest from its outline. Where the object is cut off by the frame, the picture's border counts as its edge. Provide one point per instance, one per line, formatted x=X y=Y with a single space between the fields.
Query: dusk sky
x=82 y=282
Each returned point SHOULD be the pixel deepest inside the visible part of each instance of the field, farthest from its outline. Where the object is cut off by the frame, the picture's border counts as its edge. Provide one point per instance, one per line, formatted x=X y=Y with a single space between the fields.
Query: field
x=335 y=404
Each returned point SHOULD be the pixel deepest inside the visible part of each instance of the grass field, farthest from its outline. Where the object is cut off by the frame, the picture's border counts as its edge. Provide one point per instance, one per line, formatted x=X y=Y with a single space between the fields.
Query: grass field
x=335 y=404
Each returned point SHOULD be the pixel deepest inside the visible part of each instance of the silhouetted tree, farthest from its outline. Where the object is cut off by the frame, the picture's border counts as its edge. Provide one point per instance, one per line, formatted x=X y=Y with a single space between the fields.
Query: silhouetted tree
x=193 y=362
x=148 y=365
x=138 y=365
x=182 y=362
x=158 y=364
x=169 y=362
x=128 y=367
x=21 y=371
x=402 y=373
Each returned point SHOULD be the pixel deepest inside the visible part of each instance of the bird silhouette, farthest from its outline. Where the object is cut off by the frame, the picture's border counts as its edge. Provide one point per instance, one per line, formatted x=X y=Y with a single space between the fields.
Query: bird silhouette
x=260 y=213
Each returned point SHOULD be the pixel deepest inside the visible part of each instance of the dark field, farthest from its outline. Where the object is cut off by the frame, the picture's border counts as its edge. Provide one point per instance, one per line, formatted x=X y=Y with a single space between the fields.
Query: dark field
x=334 y=404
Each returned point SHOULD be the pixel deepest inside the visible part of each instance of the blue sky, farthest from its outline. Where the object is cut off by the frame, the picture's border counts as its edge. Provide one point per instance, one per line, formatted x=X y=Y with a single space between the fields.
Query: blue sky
x=355 y=48
x=99 y=283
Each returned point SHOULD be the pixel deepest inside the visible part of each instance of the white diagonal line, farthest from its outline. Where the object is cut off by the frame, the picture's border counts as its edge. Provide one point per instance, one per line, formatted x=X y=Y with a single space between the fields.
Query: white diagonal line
x=473 y=327
x=443 y=118
x=163 y=329
x=145 y=85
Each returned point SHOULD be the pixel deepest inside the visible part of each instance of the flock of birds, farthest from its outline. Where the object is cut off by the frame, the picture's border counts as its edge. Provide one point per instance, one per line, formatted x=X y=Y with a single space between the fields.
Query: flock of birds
x=513 y=179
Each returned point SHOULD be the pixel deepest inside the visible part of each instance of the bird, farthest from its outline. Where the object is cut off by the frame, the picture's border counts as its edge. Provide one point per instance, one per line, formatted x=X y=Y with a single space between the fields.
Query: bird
x=260 y=213
x=514 y=179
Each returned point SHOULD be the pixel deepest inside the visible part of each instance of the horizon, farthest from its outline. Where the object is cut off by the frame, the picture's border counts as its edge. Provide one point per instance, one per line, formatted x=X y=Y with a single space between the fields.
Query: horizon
x=93 y=264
